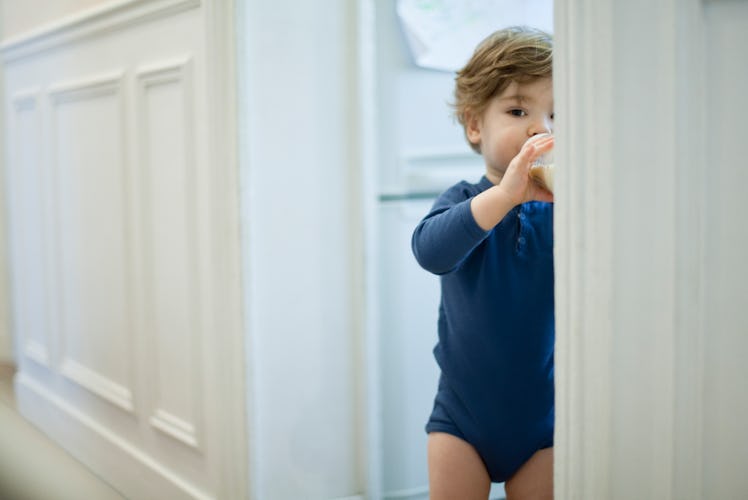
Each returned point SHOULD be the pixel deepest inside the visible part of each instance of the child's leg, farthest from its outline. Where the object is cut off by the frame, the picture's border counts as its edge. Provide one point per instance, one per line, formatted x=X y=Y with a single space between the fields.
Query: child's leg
x=534 y=480
x=456 y=472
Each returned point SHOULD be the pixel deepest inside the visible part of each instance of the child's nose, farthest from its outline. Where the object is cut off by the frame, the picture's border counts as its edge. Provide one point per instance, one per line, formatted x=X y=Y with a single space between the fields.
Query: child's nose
x=542 y=125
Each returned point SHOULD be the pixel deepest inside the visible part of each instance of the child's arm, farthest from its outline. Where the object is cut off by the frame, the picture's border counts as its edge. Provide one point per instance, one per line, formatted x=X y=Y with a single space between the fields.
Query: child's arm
x=492 y=205
x=457 y=223
x=448 y=233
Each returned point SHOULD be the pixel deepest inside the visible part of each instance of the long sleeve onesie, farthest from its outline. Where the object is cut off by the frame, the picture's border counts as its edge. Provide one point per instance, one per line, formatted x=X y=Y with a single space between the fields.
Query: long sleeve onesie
x=496 y=326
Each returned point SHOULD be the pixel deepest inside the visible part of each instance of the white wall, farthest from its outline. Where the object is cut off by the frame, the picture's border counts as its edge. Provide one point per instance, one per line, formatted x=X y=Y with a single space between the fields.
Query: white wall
x=20 y=17
x=301 y=220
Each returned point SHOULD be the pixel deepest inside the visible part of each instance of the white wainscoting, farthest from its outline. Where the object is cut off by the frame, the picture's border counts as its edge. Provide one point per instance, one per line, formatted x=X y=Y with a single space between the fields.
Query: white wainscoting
x=169 y=187
x=92 y=222
x=112 y=221
x=27 y=237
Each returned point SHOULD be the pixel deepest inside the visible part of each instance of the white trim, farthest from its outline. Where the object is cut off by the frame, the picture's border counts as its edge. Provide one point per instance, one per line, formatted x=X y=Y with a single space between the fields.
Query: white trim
x=175 y=427
x=81 y=89
x=84 y=437
x=98 y=384
x=92 y=86
x=243 y=124
x=36 y=352
x=174 y=70
x=660 y=266
x=228 y=348
x=27 y=98
x=94 y=21
x=419 y=493
x=368 y=189
x=583 y=75
x=691 y=240
x=178 y=71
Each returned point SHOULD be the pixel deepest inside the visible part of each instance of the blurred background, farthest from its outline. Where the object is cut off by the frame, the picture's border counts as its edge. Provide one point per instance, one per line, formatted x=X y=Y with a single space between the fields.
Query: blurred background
x=179 y=296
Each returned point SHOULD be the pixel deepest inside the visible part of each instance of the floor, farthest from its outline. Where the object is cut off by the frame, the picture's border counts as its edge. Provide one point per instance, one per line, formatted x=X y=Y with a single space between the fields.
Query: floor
x=32 y=467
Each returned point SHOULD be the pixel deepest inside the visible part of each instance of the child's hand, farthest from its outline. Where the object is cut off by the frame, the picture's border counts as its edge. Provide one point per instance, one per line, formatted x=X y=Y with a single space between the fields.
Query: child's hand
x=516 y=182
x=515 y=187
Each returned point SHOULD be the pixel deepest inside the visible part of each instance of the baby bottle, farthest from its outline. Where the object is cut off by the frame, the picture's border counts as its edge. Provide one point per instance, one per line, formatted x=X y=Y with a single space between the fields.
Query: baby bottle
x=541 y=170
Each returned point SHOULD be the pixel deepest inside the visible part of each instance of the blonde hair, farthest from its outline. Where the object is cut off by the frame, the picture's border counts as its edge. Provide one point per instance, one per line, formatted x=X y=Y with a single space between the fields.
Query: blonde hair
x=517 y=54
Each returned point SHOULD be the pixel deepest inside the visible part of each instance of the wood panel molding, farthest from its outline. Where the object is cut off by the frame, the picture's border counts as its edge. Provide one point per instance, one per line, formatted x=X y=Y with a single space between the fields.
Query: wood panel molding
x=26 y=99
x=175 y=427
x=86 y=80
x=109 y=84
x=35 y=349
x=36 y=352
x=176 y=72
x=98 y=384
x=152 y=479
x=87 y=87
x=91 y=22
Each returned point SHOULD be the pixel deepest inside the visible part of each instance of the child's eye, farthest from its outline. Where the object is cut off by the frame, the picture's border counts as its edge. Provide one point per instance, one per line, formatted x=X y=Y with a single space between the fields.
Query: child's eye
x=517 y=112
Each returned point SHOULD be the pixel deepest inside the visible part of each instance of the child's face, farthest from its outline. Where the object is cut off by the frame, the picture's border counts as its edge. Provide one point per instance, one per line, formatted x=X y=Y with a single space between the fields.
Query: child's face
x=518 y=113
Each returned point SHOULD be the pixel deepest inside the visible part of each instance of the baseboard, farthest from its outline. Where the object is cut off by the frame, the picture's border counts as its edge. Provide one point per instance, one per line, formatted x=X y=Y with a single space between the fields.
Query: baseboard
x=126 y=468
x=421 y=493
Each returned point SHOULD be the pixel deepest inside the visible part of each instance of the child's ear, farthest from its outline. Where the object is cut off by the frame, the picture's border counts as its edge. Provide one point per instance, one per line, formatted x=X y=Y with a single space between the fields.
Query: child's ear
x=472 y=127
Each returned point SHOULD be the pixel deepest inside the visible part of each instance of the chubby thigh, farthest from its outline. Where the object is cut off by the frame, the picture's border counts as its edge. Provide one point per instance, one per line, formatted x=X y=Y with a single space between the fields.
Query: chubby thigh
x=534 y=480
x=456 y=471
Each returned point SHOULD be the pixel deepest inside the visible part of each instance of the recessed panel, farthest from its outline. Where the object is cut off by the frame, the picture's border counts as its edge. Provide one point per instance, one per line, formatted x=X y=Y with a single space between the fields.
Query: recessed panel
x=26 y=225
x=171 y=246
x=93 y=225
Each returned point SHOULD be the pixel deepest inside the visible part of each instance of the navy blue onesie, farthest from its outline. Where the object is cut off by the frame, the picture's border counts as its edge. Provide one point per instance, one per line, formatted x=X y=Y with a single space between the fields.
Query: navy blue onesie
x=496 y=326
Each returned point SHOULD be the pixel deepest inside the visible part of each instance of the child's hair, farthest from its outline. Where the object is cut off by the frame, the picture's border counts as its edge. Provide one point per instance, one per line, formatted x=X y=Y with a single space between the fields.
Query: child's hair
x=516 y=54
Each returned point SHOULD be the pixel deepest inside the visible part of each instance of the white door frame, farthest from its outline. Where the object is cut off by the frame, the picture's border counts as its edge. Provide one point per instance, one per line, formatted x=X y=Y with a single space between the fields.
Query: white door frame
x=629 y=249
x=230 y=354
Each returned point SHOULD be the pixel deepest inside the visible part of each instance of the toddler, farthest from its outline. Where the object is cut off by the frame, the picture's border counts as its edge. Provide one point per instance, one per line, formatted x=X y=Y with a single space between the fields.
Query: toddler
x=492 y=245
